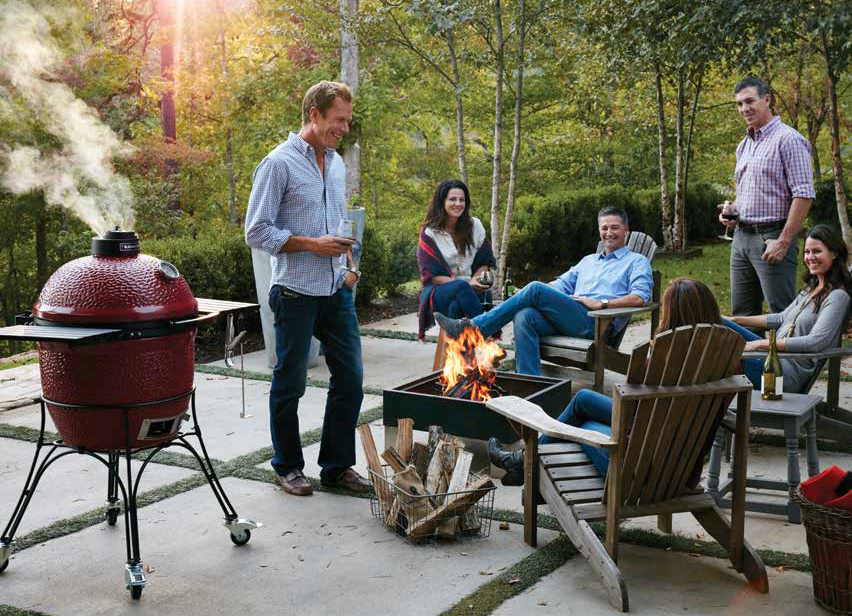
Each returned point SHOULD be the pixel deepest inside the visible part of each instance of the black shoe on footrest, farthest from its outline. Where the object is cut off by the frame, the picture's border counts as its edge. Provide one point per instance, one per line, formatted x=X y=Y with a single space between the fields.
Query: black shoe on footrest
x=510 y=461
x=452 y=327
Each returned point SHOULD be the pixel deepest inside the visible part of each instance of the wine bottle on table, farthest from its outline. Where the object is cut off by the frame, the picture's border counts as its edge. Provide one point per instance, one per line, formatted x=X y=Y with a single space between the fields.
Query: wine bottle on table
x=772 y=383
x=508 y=285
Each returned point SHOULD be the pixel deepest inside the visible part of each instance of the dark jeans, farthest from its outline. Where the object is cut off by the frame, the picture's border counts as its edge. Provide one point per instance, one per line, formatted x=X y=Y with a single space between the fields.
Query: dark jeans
x=753 y=366
x=457 y=299
x=332 y=320
x=537 y=310
x=591 y=411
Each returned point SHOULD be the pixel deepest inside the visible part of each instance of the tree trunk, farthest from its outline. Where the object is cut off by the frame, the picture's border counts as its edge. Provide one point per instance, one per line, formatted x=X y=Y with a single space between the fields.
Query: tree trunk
x=837 y=162
x=349 y=74
x=498 y=140
x=516 y=145
x=229 y=156
x=168 y=118
x=692 y=115
x=678 y=234
x=42 y=272
x=814 y=129
x=665 y=204
x=459 y=109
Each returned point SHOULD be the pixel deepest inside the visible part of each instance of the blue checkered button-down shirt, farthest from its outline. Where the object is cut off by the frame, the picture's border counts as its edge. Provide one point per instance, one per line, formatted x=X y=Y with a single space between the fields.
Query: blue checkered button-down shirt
x=290 y=196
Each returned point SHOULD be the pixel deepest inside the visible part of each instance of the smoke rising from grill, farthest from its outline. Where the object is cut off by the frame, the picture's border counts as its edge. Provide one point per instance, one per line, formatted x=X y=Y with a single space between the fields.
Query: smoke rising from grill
x=78 y=175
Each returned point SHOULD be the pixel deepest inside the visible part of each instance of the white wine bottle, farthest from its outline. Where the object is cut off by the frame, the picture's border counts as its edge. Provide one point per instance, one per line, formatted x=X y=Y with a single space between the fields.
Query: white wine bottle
x=772 y=382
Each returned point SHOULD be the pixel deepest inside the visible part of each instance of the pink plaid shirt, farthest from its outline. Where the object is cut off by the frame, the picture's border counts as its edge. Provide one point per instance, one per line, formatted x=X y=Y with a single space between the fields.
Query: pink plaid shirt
x=773 y=167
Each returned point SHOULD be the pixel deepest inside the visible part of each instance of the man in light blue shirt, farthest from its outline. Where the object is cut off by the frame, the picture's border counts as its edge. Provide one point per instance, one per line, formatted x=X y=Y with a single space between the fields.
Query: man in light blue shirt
x=614 y=278
x=295 y=208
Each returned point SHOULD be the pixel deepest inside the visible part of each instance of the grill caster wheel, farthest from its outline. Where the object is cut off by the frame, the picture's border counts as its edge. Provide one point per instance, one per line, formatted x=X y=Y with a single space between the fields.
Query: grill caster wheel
x=136 y=592
x=112 y=516
x=4 y=565
x=242 y=538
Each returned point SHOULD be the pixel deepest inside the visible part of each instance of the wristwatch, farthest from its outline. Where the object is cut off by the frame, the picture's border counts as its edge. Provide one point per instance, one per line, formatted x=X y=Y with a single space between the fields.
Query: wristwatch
x=356 y=272
x=605 y=303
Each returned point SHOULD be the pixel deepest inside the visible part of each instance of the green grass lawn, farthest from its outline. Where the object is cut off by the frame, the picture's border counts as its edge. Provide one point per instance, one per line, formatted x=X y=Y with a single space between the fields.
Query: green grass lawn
x=711 y=268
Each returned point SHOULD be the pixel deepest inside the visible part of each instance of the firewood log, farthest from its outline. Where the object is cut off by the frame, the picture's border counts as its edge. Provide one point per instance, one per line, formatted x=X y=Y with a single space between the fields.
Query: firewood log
x=412 y=495
x=381 y=488
x=455 y=505
x=420 y=459
x=405 y=439
x=393 y=459
x=457 y=483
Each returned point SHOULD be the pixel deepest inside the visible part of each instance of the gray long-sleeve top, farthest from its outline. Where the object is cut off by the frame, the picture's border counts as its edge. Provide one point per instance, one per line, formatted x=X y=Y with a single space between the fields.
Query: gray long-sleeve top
x=812 y=332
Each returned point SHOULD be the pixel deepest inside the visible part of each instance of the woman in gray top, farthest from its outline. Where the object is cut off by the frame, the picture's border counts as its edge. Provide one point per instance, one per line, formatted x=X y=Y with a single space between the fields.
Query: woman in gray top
x=812 y=323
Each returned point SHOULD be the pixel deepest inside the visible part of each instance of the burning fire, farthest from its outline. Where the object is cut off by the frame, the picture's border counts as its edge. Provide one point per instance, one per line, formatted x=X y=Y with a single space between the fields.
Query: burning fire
x=469 y=370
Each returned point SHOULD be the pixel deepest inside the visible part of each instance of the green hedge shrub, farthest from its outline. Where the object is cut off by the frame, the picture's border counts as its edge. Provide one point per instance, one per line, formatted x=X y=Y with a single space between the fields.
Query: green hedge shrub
x=824 y=206
x=556 y=230
x=216 y=262
x=389 y=258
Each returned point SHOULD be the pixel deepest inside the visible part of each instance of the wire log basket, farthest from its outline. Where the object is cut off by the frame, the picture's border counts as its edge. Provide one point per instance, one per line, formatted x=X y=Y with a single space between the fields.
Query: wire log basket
x=422 y=518
x=829 y=534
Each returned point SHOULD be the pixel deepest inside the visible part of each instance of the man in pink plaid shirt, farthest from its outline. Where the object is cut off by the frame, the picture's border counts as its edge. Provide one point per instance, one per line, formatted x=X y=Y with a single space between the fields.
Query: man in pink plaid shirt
x=775 y=189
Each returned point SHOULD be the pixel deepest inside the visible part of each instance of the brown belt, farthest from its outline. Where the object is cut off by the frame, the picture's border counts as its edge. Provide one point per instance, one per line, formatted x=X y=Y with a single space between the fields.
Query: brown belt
x=761 y=227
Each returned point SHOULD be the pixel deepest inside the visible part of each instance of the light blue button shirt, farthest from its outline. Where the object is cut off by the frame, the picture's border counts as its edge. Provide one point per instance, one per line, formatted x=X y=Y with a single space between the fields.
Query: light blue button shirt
x=290 y=196
x=609 y=276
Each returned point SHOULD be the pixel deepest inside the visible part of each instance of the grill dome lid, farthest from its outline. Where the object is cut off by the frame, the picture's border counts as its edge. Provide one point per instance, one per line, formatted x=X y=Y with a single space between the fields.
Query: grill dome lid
x=114 y=285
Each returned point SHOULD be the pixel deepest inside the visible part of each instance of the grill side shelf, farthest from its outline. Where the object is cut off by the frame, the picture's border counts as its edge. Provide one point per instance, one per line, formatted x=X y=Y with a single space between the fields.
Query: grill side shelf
x=221 y=305
x=38 y=333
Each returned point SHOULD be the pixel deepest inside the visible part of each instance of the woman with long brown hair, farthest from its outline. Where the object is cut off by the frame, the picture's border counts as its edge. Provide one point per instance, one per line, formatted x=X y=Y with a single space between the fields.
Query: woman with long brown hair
x=453 y=255
x=812 y=323
x=685 y=302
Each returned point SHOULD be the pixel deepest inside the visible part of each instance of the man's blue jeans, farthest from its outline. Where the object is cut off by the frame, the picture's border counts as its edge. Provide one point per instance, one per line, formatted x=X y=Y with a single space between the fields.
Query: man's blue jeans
x=537 y=310
x=332 y=320
x=753 y=366
x=591 y=411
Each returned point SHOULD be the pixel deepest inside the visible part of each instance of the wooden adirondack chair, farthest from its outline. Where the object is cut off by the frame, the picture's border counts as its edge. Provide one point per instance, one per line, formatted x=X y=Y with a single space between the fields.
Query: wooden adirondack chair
x=662 y=423
x=602 y=351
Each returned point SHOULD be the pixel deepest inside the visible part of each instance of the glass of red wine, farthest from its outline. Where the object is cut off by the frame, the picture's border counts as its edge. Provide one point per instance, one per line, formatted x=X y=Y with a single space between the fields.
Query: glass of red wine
x=729 y=212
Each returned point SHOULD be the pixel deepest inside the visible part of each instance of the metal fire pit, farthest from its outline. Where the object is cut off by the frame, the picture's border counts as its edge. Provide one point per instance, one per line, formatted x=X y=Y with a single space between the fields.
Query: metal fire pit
x=421 y=401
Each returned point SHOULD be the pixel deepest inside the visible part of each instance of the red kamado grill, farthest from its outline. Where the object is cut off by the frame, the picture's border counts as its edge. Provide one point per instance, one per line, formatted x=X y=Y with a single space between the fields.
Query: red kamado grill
x=116 y=334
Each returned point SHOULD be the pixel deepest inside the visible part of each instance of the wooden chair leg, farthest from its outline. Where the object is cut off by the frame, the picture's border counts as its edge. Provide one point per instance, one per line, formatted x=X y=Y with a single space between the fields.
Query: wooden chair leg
x=664 y=523
x=587 y=542
x=440 y=352
x=715 y=523
x=531 y=496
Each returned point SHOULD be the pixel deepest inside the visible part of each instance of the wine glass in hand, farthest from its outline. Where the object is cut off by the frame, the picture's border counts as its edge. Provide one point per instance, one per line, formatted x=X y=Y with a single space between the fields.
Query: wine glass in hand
x=346 y=229
x=729 y=212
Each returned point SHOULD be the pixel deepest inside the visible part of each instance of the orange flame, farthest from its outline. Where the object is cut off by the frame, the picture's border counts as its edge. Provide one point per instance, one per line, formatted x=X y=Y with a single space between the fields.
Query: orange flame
x=468 y=353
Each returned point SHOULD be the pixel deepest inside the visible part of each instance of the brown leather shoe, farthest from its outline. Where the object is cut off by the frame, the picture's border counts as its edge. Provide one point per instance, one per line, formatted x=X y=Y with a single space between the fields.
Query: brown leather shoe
x=295 y=482
x=349 y=480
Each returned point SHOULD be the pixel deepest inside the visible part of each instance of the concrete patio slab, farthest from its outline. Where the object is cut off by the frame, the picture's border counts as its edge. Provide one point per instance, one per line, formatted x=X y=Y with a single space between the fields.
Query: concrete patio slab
x=319 y=555
x=226 y=435
x=19 y=386
x=387 y=362
x=660 y=582
x=70 y=486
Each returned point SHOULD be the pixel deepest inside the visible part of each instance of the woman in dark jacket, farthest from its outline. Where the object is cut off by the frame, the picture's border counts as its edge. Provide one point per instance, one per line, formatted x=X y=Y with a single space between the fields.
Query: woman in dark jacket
x=454 y=257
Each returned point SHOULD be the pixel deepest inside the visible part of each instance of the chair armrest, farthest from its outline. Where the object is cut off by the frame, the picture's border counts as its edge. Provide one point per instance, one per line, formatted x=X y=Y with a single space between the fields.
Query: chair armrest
x=530 y=415
x=826 y=354
x=611 y=313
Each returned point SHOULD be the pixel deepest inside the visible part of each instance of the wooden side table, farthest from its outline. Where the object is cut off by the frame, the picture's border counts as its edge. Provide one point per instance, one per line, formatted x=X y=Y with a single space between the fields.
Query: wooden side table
x=788 y=414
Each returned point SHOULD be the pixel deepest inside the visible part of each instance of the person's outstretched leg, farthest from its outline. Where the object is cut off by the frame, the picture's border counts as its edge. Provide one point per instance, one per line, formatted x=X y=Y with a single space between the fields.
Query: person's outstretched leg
x=530 y=326
x=589 y=410
x=752 y=366
x=460 y=293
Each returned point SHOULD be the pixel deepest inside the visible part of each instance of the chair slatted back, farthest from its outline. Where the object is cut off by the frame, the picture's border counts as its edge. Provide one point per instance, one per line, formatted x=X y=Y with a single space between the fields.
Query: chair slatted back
x=663 y=438
x=638 y=242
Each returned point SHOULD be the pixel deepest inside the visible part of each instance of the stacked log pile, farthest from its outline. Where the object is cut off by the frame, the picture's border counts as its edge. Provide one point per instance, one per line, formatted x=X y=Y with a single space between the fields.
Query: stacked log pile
x=430 y=490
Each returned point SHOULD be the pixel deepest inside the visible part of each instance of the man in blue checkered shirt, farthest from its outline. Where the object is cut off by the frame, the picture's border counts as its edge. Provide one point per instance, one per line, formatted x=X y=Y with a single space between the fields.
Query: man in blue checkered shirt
x=295 y=208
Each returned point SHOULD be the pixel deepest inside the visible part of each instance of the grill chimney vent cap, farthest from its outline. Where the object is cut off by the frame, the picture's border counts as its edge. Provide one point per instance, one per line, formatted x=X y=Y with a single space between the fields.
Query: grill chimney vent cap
x=116 y=243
